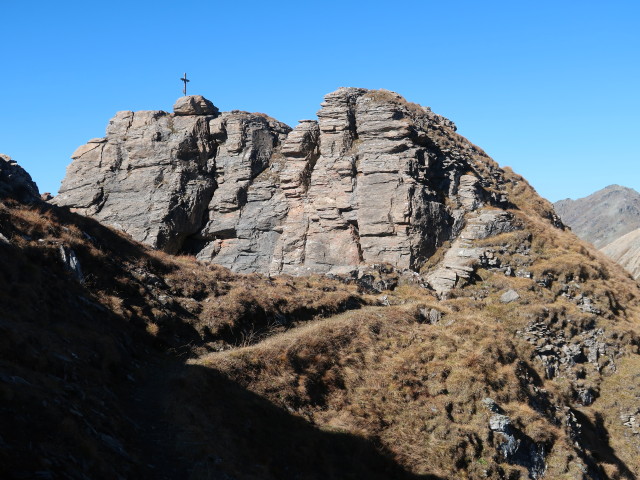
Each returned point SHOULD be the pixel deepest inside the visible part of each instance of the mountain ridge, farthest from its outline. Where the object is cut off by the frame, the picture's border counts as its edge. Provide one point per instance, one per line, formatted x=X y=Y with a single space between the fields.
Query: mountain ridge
x=625 y=250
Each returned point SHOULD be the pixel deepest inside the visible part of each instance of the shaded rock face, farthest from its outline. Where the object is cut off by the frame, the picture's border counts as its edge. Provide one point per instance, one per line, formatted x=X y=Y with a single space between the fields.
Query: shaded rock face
x=15 y=182
x=375 y=179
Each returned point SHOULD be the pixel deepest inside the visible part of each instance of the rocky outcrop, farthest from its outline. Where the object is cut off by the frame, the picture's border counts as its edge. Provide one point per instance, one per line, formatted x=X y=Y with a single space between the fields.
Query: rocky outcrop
x=194 y=105
x=375 y=179
x=151 y=176
x=626 y=252
x=96 y=328
x=516 y=447
x=15 y=182
x=460 y=260
x=154 y=175
x=603 y=216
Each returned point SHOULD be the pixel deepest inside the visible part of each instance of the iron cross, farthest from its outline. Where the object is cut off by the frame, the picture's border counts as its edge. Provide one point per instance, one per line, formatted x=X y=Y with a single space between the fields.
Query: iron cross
x=185 y=80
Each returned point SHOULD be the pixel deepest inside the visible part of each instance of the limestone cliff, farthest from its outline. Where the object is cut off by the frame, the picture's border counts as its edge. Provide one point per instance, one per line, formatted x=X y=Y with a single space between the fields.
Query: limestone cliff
x=375 y=179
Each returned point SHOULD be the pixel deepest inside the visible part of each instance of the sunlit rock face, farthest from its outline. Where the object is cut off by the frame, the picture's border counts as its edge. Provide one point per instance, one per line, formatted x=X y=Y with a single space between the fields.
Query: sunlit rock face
x=375 y=179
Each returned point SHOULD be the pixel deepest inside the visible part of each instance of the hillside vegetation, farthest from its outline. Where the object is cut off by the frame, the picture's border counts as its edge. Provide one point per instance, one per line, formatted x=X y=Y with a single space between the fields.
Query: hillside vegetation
x=156 y=366
x=510 y=351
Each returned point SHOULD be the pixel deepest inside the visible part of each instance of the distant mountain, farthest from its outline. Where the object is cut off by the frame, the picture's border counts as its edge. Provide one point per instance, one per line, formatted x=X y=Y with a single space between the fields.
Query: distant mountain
x=626 y=251
x=603 y=216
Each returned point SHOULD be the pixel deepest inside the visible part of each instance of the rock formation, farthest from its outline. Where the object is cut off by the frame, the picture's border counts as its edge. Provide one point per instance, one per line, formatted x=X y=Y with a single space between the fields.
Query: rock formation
x=603 y=216
x=374 y=179
x=15 y=182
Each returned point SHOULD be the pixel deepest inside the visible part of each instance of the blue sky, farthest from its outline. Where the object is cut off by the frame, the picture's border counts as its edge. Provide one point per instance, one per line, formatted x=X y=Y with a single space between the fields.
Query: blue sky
x=549 y=88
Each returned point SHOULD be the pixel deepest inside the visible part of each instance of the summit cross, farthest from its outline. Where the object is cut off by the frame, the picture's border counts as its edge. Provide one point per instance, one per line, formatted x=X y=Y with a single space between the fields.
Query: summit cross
x=185 y=80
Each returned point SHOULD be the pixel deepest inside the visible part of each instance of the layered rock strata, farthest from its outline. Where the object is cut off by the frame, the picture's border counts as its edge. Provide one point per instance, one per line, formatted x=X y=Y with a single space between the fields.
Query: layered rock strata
x=375 y=179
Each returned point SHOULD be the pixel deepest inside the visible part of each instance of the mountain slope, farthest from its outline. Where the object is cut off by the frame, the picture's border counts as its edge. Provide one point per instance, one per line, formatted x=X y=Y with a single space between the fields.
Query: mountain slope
x=140 y=364
x=449 y=396
x=625 y=251
x=603 y=216
x=90 y=361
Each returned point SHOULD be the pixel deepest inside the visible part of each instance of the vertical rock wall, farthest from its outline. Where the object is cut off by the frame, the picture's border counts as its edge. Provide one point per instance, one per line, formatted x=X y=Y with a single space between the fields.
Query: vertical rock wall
x=374 y=179
x=151 y=176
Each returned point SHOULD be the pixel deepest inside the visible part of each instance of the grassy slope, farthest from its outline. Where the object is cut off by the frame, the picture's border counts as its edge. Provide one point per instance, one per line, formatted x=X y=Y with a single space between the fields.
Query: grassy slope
x=160 y=367
x=90 y=370
x=416 y=389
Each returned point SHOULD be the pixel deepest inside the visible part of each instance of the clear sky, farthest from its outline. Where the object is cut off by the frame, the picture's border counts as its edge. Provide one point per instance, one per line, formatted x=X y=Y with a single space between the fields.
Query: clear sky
x=550 y=88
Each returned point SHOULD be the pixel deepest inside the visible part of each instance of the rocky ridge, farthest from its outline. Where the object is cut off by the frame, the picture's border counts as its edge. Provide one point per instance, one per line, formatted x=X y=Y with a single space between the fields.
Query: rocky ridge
x=375 y=179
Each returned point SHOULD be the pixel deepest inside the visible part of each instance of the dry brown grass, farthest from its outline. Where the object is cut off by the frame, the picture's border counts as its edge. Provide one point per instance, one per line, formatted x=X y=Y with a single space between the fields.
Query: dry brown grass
x=387 y=96
x=72 y=352
x=418 y=389
x=619 y=397
x=381 y=374
x=298 y=352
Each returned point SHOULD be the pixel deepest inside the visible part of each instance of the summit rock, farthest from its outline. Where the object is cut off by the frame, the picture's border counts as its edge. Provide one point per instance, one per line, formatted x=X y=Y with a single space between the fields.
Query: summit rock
x=194 y=105
x=376 y=179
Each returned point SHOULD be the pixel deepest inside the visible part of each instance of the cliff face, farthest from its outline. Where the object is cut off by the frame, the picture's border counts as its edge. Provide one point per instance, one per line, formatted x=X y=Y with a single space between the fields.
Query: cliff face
x=375 y=179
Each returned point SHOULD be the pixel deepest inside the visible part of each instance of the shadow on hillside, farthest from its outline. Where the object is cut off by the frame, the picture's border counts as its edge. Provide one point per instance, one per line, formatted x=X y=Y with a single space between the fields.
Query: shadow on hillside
x=596 y=440
x=88 y=393
x=195 y=423
x=174 y=323
x=217 y=429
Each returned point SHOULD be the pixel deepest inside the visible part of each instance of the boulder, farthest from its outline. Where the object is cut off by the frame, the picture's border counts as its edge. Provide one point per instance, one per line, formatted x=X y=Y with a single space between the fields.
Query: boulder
x=194 y=105
x=509 y=296
x=71 y=262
